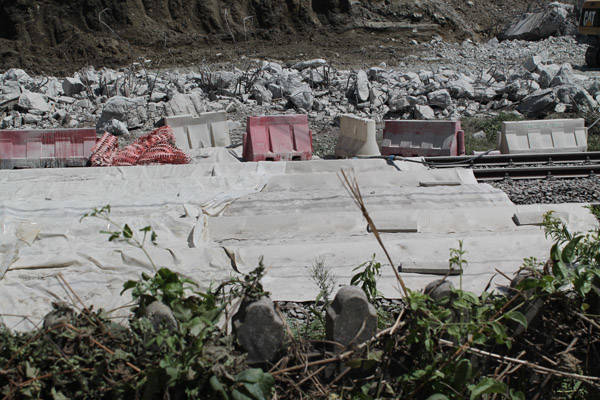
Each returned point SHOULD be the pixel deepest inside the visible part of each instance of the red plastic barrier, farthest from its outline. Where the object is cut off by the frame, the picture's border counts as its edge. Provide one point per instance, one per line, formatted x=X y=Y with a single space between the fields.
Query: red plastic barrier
x=45 y=148
x=277 y=137
x=413 y=138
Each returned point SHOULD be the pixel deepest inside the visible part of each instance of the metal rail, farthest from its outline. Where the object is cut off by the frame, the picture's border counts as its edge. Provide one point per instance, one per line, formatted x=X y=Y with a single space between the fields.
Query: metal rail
x=524 y=166
x=513 y=159
x=557 y=171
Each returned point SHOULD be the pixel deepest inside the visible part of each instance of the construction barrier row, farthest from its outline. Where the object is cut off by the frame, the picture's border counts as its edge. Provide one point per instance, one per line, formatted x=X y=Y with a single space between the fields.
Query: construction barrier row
x=288 y=137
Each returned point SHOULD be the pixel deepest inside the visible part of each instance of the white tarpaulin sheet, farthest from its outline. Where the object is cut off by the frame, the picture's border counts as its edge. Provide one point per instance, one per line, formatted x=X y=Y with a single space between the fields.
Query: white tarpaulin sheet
x=292 y=214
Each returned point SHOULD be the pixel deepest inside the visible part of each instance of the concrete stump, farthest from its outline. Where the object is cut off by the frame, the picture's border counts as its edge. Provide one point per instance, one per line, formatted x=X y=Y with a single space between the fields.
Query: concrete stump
x=439 y=289
x=350 y=319
x=160 y=315
x=60 y=314
x=259 y=330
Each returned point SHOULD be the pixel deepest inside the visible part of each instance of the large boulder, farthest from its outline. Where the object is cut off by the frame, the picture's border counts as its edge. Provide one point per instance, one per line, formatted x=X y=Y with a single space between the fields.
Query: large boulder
x=16 y=74
x=224 y=79
x=398 y=101
x=72 y=86
x=309 y=64
x=538 y=103
x=461 y=88
x=439 y=98
x=181 y=104
x=261 y=94
x=564 y=76
x=532 y=62
x=584 y=101
x=423 y=112
x=298 y=93
x=130 y=111
x=35 y=103
x=361 y=90
x=555 y=19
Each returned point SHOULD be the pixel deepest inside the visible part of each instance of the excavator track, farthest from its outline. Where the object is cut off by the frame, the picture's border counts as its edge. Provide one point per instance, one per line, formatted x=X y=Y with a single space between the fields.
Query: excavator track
x=592 y=56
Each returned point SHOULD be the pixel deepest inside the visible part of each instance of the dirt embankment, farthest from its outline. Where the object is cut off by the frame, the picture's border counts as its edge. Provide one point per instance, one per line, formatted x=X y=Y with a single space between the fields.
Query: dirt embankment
x=58 y=36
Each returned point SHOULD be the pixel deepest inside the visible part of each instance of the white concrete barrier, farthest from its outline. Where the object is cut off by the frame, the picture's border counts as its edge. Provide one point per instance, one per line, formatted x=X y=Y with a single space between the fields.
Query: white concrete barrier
x=357 y=137
x=205 y=130
x=543 y=136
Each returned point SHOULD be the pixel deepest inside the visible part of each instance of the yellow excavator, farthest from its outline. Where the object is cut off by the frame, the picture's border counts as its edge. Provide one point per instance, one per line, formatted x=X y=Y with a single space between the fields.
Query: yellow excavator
x=589 y=27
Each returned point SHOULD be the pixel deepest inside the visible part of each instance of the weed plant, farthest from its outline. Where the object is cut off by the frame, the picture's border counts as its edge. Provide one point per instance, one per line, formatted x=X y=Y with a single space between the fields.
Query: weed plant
x=463 y=346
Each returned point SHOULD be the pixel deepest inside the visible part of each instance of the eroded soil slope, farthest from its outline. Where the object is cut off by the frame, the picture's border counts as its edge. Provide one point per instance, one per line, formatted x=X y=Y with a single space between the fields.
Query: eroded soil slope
x=58 y=36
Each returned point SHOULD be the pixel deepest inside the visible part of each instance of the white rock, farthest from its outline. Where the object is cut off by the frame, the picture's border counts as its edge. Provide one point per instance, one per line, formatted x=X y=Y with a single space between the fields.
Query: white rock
x=560 y=108
x=116 y=127
x=461 y=88
x=531 y=63
x=362 y=86
x=53 y=88
x=309 y=64
x=261 y=94
x=16 y=74
x=158 y=96
x=72 y=86
x=398 y=101
x=479 y=135
x=272 y=67
x=89 y=75
x=122 y=109
x=378 y=97
x=109 y=76
x=440 y=98
x=31 y=119
x=185 y=104
x=423 y=112
x=554 y=19
x=33 y=102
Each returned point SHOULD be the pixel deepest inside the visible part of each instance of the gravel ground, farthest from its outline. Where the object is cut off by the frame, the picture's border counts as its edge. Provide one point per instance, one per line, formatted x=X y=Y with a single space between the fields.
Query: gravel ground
x=551 y=190
x=299 y=314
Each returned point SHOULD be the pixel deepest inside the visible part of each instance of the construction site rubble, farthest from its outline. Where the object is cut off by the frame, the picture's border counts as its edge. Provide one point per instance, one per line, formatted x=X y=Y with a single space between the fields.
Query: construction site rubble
x=467 y=79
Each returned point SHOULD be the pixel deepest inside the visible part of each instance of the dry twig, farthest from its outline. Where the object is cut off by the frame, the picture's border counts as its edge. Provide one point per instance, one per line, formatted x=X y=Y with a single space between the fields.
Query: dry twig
x=351 y=185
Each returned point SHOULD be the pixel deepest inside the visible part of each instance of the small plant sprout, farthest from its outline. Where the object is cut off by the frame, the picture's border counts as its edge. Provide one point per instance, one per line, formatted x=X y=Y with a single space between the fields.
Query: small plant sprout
x=124 y=234
x=325 y=282
x=367 y=278
x=324 y=279
x=457 y=261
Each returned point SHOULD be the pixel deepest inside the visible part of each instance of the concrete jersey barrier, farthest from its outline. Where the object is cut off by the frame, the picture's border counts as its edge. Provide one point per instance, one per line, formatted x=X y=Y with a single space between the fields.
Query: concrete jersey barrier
x=543 y=136
x=357 y=137
x=415 y=138
x=205 y=130
x=45 y=148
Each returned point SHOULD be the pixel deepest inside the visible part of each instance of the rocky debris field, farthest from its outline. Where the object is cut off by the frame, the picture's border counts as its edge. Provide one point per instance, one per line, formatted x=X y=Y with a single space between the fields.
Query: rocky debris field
x=446 y=80
x=422 y=77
